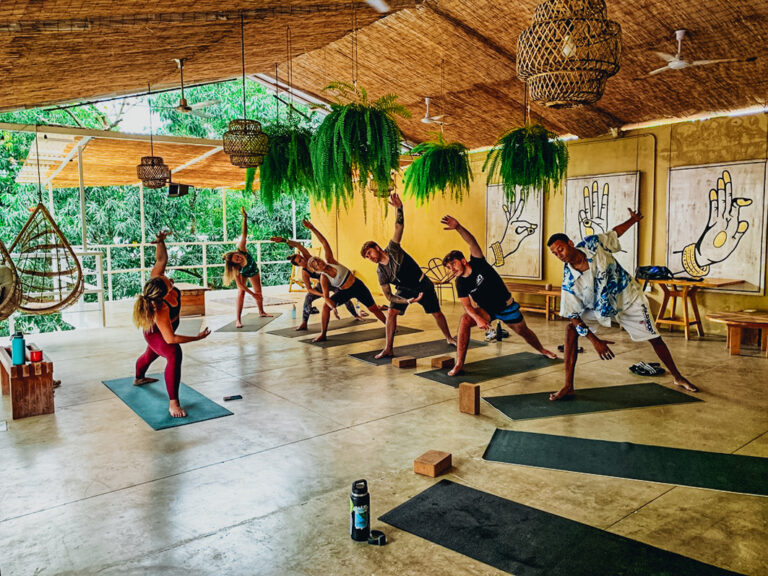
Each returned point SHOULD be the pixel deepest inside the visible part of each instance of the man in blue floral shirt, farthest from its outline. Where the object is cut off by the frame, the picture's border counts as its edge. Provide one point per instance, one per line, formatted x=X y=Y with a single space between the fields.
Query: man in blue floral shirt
x=596 y=290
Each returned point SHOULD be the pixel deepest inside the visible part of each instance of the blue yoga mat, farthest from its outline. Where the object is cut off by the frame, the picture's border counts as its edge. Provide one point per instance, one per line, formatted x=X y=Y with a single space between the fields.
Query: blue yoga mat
x=150 y=401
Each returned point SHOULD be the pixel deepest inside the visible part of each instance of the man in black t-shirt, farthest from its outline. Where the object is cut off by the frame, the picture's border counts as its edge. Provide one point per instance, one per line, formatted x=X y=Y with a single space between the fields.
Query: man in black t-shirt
x=479 y=280
x=395 y=266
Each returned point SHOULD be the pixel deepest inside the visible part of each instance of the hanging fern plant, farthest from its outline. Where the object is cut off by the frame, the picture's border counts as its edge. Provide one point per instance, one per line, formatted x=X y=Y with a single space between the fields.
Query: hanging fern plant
x=287 y=168
x=357 y=145
x=531 y=158
x=440 y=167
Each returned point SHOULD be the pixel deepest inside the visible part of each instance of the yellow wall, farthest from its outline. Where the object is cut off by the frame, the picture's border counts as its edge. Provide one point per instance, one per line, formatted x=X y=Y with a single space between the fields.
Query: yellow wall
x=651 y=151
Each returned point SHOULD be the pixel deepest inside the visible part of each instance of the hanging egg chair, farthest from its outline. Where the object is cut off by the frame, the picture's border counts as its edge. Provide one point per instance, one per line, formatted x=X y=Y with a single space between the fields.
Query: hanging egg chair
x=10 y=285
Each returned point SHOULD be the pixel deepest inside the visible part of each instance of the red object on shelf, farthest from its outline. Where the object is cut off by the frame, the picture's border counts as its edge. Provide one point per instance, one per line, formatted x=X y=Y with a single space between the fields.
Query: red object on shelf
x=35 y=355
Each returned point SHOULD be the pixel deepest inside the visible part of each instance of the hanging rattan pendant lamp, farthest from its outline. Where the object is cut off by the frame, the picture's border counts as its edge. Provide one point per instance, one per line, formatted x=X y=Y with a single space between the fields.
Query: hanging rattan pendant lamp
x=569 y=52
x=244 y=142
x=152 y=171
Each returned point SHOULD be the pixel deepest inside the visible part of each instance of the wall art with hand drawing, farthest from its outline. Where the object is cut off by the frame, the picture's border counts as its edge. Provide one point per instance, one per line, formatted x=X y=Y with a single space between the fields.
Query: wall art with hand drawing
x=513 y=237
x=716 y=223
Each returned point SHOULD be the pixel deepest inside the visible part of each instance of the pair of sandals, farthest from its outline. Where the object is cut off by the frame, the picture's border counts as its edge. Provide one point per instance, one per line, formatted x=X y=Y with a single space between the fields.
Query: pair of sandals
x=647 y=369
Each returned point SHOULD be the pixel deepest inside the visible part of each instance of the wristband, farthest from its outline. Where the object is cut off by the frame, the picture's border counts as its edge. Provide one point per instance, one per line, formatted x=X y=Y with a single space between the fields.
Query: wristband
x=582 y=330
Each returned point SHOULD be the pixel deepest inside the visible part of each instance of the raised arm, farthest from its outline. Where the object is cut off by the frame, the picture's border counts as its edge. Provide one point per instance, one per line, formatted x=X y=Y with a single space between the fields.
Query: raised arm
x=451 y=223
x=308 y=283
x=394 y=200
x=293 y=244
x=244 y=237
x=161 y=254
x=634 y=218
x=326 y=246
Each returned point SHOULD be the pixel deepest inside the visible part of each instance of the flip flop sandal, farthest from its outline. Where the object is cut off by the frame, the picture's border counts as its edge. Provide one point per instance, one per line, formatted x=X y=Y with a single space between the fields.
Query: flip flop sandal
x=640 y=370
x=561 y=348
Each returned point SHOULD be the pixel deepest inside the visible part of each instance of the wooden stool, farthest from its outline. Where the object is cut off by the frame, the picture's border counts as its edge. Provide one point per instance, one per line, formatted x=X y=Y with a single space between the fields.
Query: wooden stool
x=443 y=362
x=469 y=398
x=29 y=385
x=404 y=362
x=432 y=463
x=192 y=299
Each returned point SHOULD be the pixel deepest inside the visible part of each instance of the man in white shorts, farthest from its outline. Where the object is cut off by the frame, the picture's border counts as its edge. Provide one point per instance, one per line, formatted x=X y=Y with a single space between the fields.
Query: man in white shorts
x=596 y=290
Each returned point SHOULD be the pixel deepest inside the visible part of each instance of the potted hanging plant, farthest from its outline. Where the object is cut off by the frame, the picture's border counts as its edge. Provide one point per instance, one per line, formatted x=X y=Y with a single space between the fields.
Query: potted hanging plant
x=440 y=166
x=287 y=168
x=357 y=145
x=530 y=158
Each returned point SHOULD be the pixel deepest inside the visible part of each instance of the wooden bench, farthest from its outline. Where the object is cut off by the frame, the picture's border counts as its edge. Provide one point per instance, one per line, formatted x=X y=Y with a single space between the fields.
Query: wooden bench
x=550 y=293
x=736 y=321
x=30 y=385
x=192 y=299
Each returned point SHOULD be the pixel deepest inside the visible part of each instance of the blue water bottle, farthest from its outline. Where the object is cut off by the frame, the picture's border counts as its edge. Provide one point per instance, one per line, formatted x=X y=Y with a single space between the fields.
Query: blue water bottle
x=18 y=349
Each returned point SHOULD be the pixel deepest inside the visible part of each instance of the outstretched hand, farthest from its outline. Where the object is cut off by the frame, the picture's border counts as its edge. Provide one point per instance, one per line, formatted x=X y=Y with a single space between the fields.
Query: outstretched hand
x=602 y=349
x=449 y=222
x=307 y=224
x=277 y=239
x=635 y=216
x=203 y=333
x=416 y=299
x=161 y=236
x=394 y=200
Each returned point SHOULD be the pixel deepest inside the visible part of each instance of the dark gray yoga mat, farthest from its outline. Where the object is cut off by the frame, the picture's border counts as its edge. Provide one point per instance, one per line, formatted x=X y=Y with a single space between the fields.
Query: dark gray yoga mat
x=315 y=328
x=526 y=541
x=344 y=338
x=490 y=368
x=587 y=400
x=418 y=350
x=251 y=323
x=713 y=470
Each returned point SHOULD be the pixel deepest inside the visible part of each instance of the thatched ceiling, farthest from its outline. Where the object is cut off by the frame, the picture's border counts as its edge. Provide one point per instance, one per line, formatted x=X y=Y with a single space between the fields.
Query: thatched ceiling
x=126 y=45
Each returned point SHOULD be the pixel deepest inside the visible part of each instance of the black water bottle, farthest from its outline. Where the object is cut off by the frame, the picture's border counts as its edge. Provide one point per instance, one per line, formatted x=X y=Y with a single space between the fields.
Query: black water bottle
x=360 y=511
x=499 y=333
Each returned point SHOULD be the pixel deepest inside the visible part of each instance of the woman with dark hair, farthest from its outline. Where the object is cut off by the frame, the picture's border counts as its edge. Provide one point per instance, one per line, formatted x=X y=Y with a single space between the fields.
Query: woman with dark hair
x=156 y=312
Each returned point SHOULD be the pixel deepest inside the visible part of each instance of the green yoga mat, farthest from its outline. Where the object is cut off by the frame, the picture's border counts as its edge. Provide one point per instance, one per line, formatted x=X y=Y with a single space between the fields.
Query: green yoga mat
x=150 y=401
x=713 y=470
x=526 y=541
x=490 y=368
x=345 y=338
x=587 y=400
x=418 y=350
x=251 y=323
x=315 y=328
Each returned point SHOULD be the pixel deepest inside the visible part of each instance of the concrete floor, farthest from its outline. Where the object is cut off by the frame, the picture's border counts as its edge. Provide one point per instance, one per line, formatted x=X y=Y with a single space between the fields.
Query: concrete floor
x=93 y=489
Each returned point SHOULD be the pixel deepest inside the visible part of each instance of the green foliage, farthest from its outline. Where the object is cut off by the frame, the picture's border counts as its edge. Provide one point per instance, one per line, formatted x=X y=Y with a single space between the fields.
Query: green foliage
x=357 y=138
x=531 y=158
x=440 y=167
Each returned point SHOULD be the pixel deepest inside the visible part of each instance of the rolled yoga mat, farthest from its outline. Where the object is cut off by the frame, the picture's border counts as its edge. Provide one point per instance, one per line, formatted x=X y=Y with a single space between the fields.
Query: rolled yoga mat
x=150 y=402
x=418 y=350
x=315 y=327
x=713 y=470
x=526 y=541
x=344 y=338
x=588 y=400
x=251 y=323
x=491 y=368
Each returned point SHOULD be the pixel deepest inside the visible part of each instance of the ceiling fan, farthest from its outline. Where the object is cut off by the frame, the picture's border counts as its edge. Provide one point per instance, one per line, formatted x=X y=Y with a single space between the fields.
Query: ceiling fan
x=432 y=119
x=676 y=62
x=183 y=106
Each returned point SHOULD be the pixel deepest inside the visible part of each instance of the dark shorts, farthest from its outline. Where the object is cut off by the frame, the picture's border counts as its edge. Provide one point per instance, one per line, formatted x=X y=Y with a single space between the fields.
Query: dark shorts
x=510 y=315
x=429 y=301
x=357 y=290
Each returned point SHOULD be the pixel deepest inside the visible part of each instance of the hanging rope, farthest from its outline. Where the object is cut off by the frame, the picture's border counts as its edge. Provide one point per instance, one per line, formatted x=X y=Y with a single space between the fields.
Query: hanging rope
x=242 y=58
x=354 y=46
x=442 y=93
x=37 y=157
x=151 y=142
x=289 y=51
x=526 y=105
x=277 y=94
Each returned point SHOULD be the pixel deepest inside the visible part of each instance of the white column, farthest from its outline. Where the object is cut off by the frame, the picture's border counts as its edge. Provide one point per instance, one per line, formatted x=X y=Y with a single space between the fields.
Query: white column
x=50 y=200
x=82 y=196
x=224 y=211
x=293 y=216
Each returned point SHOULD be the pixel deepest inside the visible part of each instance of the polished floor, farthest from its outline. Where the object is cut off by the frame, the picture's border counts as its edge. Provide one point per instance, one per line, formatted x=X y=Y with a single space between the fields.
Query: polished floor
x=92 y=489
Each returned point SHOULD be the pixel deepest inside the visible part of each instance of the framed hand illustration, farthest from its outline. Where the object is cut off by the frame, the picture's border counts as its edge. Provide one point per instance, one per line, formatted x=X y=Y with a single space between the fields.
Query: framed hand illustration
x=716 y=223
x=513 y=233
x=595 y=204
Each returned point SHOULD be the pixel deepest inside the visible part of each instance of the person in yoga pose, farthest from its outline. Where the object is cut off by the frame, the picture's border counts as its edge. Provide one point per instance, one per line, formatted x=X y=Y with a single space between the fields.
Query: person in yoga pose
x=478 y=279
x=395 y=266
x=240 y=267
x=156 y=312
x=334 y=275
x=596 y=290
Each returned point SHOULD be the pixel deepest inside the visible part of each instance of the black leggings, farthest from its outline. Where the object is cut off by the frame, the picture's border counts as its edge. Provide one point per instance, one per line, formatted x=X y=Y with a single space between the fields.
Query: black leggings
x=309 y=298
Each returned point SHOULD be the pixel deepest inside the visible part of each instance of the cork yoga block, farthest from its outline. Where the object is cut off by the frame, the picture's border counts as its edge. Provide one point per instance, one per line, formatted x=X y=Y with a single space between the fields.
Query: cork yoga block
x=469 y=398
x=443 y=362
x=404 y=362
x=432 y=463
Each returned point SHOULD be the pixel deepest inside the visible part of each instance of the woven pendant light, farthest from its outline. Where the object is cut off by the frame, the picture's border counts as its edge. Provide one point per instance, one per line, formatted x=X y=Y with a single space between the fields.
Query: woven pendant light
x=569 y=52
x=244 y=142
x=152 y=171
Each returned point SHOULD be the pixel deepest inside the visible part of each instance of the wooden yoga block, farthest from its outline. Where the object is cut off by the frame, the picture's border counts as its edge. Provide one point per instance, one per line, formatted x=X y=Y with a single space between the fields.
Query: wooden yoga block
x=432 y=463
x=469 y=398
x=192 y=299
x=30 y=385
x=443 y=362
x=404 y=362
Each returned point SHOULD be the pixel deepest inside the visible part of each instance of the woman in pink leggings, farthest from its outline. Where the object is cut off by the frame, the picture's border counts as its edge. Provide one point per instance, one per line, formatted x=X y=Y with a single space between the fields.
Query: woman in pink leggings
x=157 y=312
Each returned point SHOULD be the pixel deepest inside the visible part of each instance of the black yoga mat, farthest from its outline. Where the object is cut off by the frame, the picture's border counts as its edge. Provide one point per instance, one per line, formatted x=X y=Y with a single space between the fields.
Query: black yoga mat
x=713 y=470
x=344 y=338
x=490 y=368
x=587 y=400
x=315 y=328
x=251 y=323
x=526 y=541
x=418 y=350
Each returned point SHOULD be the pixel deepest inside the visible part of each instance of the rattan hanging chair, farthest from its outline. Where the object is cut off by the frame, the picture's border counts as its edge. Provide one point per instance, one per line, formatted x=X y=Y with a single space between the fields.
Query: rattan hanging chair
x=10 y=285
x=50 y=274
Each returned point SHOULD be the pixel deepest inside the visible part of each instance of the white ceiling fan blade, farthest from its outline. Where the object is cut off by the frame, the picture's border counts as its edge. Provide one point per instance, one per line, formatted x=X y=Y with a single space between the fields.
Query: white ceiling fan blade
x=438 y=117
x=664 y=56
x=706 y=62
x=200 y=114
x=378 y=5
x=204 y=104
x=654 y=72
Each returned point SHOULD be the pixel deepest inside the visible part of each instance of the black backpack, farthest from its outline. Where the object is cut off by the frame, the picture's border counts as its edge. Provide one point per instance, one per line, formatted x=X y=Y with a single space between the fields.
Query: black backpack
x=656 y=273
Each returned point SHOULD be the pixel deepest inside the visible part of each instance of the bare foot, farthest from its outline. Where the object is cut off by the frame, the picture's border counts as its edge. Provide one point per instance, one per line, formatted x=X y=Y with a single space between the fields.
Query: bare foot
x=384 y=354
x=238 y=324
x=451 y=341
x=362 y=313
x=359 y=317
x=548 y=354
x=683 y=383
x=320 y=338
x=456 y=371
x=175 y=409
x=301 y=327
x=565 y=393
x=265 y=315
x=142 y=381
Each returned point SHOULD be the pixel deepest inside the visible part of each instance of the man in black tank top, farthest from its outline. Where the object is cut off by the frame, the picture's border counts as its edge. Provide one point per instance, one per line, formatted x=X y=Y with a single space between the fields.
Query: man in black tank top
x=395 y=266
